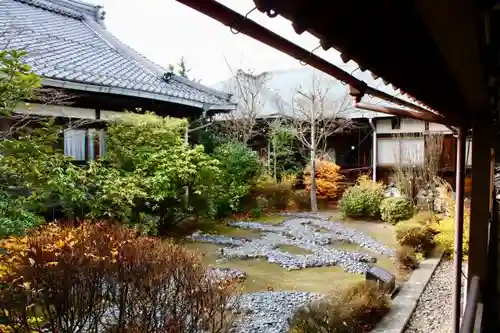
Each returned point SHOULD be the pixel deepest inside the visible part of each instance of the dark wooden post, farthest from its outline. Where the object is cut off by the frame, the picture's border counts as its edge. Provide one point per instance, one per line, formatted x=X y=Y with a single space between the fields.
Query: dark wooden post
x=459 y=228
x=482 y=142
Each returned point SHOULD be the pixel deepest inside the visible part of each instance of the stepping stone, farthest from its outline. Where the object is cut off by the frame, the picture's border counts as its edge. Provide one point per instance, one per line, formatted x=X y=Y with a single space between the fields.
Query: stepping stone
x=380 y=275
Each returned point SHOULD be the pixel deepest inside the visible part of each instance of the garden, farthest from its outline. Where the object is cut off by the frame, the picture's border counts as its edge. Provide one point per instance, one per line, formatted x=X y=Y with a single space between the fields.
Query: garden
x=161 y=235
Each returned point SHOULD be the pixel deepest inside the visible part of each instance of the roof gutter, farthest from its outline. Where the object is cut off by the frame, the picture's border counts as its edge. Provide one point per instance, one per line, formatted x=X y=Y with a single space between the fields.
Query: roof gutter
x=243 y=24
x=402 y=113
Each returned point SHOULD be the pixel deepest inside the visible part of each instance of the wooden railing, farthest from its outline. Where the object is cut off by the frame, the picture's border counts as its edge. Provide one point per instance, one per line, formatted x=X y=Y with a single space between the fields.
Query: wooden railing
x=470 y=317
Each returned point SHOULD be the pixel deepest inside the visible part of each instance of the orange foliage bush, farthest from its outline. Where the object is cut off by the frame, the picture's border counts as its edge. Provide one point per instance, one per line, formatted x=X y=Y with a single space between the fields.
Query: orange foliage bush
x=328 y=177
x=104 y=278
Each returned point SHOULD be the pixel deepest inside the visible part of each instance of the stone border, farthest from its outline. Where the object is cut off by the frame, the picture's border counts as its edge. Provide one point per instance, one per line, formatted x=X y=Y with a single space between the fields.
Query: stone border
x=407 y=298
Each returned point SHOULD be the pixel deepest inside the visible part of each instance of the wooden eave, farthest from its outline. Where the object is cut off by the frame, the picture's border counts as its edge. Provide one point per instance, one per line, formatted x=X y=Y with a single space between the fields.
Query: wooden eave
x=430 y=50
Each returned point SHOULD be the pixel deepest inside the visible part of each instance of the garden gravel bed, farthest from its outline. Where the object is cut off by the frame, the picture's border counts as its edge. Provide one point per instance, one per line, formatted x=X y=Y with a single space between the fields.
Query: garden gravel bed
x=310 y=232
x=434 y=308
x=230 y=274
x=269 y=312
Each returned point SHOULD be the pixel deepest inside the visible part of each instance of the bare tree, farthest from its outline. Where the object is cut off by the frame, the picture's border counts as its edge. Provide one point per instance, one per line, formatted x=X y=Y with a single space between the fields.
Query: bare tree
x=417 y=167
x=317 y=115
x=247 y=87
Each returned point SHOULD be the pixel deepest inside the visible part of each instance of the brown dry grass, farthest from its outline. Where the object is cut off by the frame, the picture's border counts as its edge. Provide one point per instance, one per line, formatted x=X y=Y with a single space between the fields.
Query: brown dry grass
x=354 y=309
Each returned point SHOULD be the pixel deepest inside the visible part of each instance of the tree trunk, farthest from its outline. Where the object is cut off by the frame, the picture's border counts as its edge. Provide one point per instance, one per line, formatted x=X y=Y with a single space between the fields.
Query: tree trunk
x=314 y=202
x=186 y=188
x=274 y=164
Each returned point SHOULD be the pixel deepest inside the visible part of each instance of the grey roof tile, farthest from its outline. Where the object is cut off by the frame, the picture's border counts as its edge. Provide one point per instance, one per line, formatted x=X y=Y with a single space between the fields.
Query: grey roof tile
x=66 y=40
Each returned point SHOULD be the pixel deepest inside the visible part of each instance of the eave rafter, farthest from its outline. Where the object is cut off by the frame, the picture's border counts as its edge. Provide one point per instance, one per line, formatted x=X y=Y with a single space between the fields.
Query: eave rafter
x=250 y=28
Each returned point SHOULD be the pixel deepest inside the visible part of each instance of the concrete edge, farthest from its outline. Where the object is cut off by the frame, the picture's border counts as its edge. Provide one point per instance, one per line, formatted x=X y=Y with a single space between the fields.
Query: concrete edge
x=404 y=304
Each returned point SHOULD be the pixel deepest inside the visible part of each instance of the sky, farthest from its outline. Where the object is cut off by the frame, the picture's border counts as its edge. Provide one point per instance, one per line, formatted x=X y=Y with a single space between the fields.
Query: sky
x=166 y=30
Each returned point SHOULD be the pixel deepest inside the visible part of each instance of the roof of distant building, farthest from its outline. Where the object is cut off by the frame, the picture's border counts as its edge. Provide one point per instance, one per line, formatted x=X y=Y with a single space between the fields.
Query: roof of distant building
x=276 y=97
x=69 y=47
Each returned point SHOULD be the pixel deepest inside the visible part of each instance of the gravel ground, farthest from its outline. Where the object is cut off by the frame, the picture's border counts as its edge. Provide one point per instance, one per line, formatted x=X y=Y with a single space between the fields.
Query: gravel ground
x=312 y=233
x=434 y=308
x=269 y=312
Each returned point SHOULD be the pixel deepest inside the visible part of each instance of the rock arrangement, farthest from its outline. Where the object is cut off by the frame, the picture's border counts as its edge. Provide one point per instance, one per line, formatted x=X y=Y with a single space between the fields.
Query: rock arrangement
x=230 y=274
x=309 y=232
x=269 y=312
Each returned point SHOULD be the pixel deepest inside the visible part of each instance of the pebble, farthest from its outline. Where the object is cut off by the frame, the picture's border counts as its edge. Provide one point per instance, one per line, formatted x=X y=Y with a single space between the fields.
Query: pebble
x=434 y=308
x=231 y=274
x=309 y=232
x=269 y=312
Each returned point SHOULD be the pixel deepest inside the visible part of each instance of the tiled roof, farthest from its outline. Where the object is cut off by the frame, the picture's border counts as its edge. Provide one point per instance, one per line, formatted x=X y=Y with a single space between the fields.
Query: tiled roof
x=276 y=98
x=69 y=46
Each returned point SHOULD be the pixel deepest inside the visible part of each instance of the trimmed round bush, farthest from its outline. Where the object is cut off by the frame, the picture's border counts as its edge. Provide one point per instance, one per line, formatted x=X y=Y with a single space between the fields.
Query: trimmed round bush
x=415 y=235
x=358 y=201
x=393 y=210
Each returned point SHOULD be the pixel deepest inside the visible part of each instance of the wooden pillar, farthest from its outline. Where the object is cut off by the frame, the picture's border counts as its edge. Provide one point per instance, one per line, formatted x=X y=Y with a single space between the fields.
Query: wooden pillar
x=459 y=228
x=482 y=142
x=374 y=149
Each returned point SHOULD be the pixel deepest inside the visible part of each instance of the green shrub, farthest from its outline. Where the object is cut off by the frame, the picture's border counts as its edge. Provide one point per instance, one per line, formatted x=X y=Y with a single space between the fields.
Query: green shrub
x=426 y=218
x=356 y=309
x=147 y=169
x=362 y=199
x=416 y=235
x=302 y=199
x=261 y=206
x=15 y=218
x=445 y=235
x=408 y=257
x=278 y=195
x=240 y=167
x=393 y=210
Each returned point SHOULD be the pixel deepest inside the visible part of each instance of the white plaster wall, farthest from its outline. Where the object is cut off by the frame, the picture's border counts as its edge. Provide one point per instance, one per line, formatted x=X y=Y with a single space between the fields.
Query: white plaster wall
x=468 y=152
x=435 y=127
x=394 y=150
x=55 y=111
x=384 y=126
x=387 y=151
x=408 y=125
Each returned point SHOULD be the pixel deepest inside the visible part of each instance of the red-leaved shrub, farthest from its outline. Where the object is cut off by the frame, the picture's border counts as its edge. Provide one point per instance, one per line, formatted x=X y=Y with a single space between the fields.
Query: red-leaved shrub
x=103 y=278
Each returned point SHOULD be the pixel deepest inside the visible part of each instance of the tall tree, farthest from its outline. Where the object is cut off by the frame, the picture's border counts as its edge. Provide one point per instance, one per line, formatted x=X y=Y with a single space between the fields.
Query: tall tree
x=182 y=69
x=317 y=115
